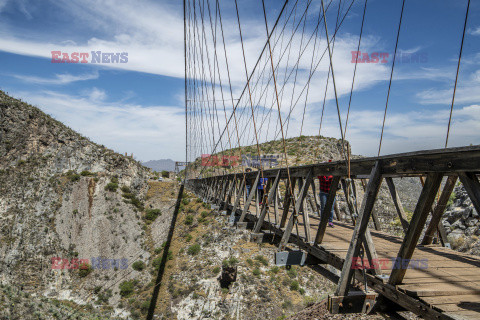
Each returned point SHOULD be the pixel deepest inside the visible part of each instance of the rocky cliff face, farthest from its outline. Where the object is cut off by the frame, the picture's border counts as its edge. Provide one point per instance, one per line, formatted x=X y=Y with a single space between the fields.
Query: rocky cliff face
x=63 y=196
x=462 y=222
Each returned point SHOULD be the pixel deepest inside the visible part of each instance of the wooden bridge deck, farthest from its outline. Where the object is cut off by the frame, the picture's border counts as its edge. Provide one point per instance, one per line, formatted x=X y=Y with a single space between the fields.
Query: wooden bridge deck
x=447 y=287
x=450 y=283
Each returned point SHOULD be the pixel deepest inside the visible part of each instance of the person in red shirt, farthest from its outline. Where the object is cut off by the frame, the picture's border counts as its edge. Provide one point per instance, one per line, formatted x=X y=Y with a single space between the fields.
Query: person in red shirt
x=325 y=184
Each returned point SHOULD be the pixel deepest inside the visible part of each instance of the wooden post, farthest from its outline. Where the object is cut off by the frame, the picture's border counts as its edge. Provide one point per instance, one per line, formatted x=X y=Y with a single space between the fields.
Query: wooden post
x=326 y=210
x=398 y=203
x=293 y=217
x=239 y=196
x=286 y=203
x=233 y=185
x=417 y=223
x=306 y=220
x=439 y=210
x=471 y=184
x=360 y=228
x=249 y=198
x=275 y=205
x=271 y=195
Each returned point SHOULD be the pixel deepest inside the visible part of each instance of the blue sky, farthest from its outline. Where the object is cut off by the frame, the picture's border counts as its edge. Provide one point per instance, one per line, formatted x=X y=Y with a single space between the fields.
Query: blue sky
x=138 y=107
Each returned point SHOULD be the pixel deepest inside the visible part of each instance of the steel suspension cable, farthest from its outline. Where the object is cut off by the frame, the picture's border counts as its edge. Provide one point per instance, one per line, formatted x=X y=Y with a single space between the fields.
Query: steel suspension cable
x=456 y=76
x=355 y=69
x=391 y=76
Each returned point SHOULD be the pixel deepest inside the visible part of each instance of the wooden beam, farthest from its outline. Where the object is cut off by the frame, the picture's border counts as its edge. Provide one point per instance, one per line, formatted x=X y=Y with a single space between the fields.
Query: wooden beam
x=424 y=205
x=360 y=228
x=326 y=210
x=233 y=185
x=306 y=220
x=293 y=217
x=286 y=203
x=239 y=195
x=265 y=206
x=471 y=184
x=398 y=203
x=439 y=210
x=249 y=198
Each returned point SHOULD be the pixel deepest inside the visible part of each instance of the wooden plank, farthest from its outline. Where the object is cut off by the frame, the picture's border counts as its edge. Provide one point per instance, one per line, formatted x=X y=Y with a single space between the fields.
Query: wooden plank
x=249 y=199
x=439 y=210
x=398 y=203
x=265 y=206
x=326 y=210
x=417 y=223
x=360 y=228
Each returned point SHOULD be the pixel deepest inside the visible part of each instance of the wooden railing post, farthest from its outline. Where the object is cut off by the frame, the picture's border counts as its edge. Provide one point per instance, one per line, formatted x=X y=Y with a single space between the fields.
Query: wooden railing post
x=361 y=227
x=265 y=209
x=424 y=205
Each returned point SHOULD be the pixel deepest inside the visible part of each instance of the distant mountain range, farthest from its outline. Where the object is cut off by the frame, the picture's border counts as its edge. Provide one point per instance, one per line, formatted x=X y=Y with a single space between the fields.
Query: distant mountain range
x=160 y=165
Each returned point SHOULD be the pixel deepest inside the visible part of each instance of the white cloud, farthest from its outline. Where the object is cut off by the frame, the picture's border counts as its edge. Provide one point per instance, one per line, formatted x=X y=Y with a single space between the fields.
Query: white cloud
x=59 y=79
x=475 y=31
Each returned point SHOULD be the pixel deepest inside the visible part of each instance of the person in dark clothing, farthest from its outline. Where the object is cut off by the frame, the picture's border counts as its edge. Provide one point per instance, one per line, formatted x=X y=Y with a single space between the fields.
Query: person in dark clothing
x=262 y=184
x=325 y=185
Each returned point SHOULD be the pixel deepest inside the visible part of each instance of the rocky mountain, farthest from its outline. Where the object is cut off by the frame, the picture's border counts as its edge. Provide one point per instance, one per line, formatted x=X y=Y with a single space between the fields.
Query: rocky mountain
x=160 y=165
x=65 y=201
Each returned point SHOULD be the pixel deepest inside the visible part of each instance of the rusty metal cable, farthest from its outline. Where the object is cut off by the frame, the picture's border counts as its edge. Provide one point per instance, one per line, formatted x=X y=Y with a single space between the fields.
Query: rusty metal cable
x=456 y=77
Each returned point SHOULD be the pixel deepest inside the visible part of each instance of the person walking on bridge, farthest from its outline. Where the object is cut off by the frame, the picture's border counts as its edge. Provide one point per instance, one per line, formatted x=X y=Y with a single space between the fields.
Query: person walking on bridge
x=262 y=184
x=325 y=185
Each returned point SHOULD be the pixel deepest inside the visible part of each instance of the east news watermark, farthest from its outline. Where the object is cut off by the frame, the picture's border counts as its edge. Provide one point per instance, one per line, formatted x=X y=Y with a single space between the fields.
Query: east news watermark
x=209 y=160
x=385 y=57
x=95 y=57
x=389 y=263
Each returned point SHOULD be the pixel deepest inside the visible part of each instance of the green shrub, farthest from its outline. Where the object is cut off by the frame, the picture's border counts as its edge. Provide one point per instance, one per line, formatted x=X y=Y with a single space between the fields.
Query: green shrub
x=185 y=201
x=216 y=270
x=73 y=176
x=292 y=273
x=144 y=307
x=294 y=286
x=126 y=288
x=256 y=272
x=275 y=269
x=165 y=174
x=84 y=270
x=189 y=220
x=262 y=260
x=205 y=214
x=87 y=173
x=138 y=265
x=230 y=262
x=114 y=179
x=194 y=249
x=302 y=291
x=188 y=237
x=112 y=187
x=152 y=214
x=126 y=189
x=250 y=261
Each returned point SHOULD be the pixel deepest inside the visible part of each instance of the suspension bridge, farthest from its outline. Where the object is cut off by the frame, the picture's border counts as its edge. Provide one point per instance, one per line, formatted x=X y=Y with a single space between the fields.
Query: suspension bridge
x=296 y=66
